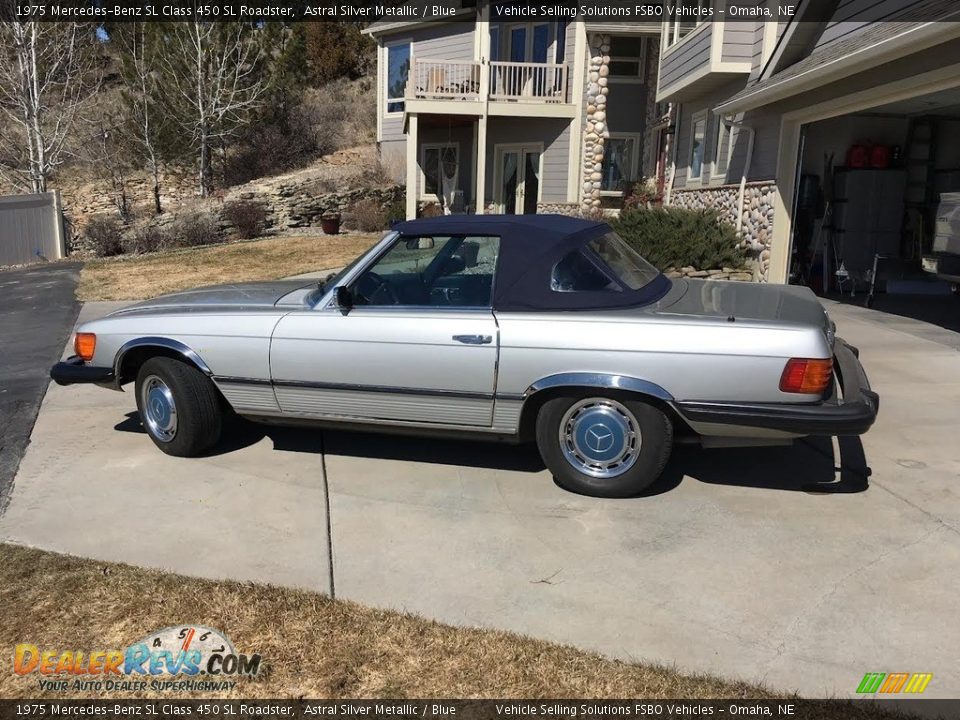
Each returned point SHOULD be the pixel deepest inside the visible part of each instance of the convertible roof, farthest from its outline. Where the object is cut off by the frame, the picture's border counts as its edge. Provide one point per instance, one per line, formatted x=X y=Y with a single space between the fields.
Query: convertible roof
x=530 y=247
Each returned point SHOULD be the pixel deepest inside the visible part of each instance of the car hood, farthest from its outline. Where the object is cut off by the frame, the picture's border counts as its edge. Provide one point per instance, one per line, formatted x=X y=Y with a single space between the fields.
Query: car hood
x=744 y=301
x=234 y=296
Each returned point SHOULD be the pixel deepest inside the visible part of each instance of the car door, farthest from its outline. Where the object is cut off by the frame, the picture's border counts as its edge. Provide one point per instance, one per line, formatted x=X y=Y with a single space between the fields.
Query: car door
x=419 y=345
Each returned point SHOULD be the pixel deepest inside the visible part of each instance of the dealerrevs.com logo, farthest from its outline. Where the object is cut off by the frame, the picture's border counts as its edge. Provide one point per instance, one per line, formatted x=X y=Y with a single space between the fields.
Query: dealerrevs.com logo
x=180 y=658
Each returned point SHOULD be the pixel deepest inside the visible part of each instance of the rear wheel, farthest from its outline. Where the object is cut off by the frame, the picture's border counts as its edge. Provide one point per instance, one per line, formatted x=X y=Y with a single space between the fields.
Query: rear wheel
x=179 y=407
x=603 y=446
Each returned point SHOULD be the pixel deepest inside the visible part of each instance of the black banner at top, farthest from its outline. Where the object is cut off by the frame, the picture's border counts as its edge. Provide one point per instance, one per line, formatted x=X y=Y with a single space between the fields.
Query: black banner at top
x=400 y=11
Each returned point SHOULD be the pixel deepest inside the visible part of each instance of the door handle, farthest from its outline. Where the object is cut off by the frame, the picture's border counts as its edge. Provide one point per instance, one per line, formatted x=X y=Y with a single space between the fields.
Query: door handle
x=474 y=339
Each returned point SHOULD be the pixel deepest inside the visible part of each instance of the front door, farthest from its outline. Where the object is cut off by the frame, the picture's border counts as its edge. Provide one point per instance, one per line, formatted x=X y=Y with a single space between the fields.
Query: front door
x=518 y=179
x=419 y=346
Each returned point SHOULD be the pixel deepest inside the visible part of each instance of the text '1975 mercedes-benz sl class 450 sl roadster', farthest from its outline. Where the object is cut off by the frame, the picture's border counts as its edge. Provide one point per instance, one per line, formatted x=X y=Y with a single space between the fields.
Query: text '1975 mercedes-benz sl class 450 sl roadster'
x=519 y=328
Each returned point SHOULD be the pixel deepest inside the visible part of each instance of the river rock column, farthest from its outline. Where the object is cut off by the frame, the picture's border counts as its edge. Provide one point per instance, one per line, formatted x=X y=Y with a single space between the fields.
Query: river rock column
x=595 y=132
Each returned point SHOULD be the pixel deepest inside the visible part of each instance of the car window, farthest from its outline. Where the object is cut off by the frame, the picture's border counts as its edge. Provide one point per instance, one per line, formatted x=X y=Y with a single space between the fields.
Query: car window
x=431 y=271
x=578 y=273
x=626 y=263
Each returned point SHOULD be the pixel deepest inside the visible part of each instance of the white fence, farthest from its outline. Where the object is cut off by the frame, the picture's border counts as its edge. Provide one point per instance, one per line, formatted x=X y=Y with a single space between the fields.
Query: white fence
x=31 y=228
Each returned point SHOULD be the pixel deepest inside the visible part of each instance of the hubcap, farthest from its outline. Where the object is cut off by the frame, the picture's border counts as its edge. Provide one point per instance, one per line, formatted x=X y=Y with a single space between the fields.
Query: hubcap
x=600 y=437
x=159 y=409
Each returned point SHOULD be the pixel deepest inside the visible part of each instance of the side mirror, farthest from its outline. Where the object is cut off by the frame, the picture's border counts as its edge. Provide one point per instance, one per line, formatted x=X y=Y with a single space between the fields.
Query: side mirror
x=422 y=243
x=344 y=297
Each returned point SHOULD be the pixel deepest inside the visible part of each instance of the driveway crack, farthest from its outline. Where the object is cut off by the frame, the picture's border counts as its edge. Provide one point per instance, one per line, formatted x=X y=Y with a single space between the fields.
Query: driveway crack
x=328 y=512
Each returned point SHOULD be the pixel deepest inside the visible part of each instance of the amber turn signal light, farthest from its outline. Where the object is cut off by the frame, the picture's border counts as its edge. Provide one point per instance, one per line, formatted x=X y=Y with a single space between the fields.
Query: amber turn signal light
x=803 y=375
x=84 y=345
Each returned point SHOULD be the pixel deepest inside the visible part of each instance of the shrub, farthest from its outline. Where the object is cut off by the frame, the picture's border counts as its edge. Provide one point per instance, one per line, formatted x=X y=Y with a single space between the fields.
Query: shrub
x=146 y=239
x=249 y=217
x=104 y=236
x=431 y=209
x=673 y=237
x=367 y=216
x=397 y=211
x=196 y=229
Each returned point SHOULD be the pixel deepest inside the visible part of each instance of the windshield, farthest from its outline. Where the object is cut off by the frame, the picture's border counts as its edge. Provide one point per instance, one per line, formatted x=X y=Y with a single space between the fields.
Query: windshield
x=333 y=279
x=626 y=263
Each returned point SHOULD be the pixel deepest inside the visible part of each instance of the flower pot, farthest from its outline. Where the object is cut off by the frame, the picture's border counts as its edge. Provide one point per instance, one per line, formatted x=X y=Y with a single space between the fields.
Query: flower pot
x=330 y=224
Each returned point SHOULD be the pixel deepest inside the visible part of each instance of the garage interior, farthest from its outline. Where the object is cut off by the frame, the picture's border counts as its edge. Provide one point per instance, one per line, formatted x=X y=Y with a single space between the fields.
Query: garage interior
x=867 y=202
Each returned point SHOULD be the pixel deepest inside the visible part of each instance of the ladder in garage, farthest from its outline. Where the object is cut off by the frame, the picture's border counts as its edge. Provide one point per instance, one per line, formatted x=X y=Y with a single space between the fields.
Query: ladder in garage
x=920 y=198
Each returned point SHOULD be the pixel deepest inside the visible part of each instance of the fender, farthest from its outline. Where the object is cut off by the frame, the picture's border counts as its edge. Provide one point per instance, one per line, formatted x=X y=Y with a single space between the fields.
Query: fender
x=598 y=380
x=162 y=342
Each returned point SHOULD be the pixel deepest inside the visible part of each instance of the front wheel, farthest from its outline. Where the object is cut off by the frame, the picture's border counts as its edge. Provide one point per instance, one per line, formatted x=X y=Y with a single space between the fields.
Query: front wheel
x=179 y=407
x=603 y=446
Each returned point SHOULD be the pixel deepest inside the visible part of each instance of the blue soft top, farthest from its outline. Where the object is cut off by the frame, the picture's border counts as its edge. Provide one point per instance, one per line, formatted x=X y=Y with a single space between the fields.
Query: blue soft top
x=530 y=247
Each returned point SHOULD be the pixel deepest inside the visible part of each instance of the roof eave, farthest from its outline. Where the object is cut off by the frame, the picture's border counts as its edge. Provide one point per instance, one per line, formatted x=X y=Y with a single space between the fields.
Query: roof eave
x=910 y=41
x=389 y=27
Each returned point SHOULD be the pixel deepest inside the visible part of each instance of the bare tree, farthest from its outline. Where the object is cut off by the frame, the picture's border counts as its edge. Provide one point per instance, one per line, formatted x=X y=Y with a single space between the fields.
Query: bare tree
x=47 y=71
x=214 y=74
x=141 y=79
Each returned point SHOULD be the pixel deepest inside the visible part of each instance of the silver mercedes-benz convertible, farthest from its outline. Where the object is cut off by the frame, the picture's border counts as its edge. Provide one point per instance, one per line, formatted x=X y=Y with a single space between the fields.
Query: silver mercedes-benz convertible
x=518 y=328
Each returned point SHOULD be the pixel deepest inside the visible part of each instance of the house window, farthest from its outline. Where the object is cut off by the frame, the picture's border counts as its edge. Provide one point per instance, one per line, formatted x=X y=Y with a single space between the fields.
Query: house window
x=619 y=162
x=626 y=56
x=722 y=148
x=398 y=69
x=698 y=132
x=683 y=17
x=441 y=169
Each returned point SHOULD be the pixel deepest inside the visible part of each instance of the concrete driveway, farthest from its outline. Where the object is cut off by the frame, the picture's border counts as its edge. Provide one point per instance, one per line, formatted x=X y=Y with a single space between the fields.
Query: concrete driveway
x=37 y=312
x=768 y=565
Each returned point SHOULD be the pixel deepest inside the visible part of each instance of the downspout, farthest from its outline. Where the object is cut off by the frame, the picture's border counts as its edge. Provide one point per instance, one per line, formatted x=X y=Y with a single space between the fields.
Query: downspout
x=673 y=158
x=752 y=135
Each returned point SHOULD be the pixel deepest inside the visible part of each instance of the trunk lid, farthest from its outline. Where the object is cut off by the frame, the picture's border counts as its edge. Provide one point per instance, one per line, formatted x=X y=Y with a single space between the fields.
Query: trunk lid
x=744 y=301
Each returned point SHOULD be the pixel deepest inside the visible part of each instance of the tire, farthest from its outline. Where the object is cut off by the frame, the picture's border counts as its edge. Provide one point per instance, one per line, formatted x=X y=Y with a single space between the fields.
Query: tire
x=179 y=407
x=602 y=445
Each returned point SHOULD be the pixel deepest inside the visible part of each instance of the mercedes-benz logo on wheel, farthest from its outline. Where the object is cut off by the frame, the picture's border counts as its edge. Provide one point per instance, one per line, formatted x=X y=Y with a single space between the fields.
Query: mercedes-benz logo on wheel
x=599 y=438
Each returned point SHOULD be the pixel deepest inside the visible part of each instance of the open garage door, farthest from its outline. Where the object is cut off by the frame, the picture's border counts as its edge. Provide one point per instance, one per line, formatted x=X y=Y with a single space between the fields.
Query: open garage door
x=871 y=188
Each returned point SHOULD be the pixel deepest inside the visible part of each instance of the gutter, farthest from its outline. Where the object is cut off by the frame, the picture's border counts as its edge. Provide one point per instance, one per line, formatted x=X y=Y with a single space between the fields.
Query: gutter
x=746 y=167
x=906 y=43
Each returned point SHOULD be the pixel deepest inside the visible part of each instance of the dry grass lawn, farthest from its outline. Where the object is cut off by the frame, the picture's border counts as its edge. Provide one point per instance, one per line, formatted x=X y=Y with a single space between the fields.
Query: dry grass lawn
x=137 y=277
x=311 y=646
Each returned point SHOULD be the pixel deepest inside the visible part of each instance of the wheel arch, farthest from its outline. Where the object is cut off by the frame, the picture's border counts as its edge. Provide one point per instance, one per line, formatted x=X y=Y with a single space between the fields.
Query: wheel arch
x=132 y=354
x=586 y=384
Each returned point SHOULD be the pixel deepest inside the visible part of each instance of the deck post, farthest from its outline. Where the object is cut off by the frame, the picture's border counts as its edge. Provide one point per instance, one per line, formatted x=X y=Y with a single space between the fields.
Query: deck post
x=412 y=140
x=481 y=146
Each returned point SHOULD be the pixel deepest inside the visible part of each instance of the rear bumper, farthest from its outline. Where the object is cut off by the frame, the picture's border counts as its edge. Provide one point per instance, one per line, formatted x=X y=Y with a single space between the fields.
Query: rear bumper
x=73 y=371
x=945 y=266
x=853 y=414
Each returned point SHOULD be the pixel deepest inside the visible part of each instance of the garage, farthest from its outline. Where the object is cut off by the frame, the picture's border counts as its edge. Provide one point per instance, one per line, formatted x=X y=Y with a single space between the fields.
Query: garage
x=871 y=187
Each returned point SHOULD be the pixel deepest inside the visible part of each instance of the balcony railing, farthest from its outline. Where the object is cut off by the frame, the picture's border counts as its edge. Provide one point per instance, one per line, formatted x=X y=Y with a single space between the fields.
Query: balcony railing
x=528 y=82
x=508 y=81
x=444 y=80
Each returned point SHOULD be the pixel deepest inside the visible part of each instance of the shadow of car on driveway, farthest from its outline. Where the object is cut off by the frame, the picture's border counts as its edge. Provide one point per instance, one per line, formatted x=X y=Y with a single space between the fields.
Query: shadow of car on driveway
x=808 y=465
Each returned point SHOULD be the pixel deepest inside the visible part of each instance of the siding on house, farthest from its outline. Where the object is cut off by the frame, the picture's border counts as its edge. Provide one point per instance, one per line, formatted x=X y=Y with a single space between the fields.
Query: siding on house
x=738 y=41
x=852 y=16
x=685 y=58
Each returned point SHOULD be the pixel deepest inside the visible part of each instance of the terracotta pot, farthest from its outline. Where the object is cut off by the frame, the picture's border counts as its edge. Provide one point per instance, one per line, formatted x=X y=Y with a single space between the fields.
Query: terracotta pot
x=330 y=225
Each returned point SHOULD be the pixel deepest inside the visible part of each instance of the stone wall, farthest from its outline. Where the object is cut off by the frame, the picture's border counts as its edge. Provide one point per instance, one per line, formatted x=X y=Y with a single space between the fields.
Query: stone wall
x=559 y=208
x=759 y=207
x=595 y=132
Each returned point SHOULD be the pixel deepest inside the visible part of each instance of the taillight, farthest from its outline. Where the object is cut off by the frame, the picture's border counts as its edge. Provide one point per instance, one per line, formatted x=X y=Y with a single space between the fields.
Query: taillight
x=803 y=375
x=85 y=344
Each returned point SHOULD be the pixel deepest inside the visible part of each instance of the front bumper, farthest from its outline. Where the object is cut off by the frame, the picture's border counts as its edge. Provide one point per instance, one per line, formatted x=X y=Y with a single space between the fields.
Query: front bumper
x=73 y=371
x=851 y=414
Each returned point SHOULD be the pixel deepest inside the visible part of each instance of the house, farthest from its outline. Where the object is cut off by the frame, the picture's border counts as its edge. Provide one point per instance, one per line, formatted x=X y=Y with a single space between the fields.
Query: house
x=825 y=135
x=486 y=113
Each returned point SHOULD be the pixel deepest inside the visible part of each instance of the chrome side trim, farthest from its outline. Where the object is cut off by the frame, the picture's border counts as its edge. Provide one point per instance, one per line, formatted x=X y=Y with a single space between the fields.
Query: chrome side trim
x=163 y=342
x=599 y=380
x=388 y=389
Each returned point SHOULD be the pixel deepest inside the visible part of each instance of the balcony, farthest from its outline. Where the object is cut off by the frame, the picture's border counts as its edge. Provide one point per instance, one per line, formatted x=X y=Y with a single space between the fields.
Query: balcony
x=507 y=88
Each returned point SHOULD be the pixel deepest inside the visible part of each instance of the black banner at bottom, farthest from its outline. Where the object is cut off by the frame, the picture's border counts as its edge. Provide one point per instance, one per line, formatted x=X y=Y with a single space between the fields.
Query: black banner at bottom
x=493 y=709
